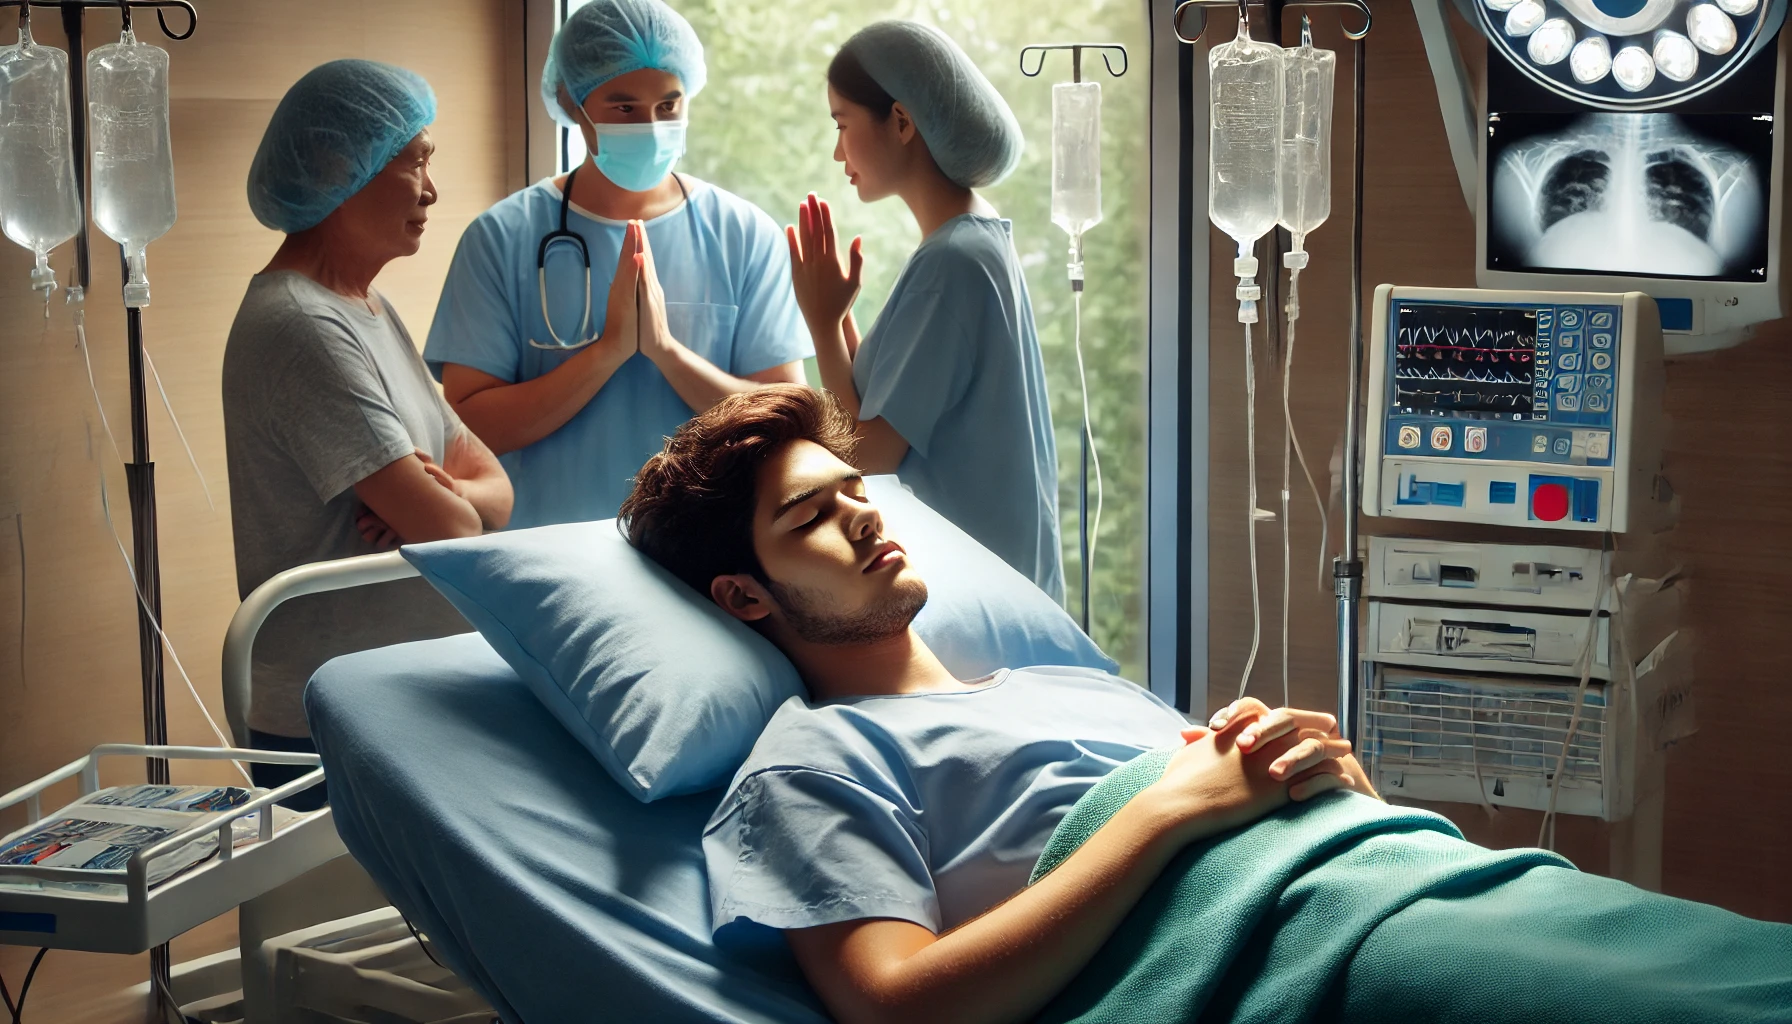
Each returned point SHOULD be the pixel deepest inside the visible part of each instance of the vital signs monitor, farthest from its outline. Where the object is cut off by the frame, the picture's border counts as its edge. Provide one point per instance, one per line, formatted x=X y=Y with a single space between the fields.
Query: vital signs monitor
x=1515 y=408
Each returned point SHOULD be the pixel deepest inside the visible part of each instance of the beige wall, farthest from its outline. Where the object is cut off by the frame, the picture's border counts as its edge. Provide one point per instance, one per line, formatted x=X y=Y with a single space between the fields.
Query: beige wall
x=1729 y=789
x=81 y=684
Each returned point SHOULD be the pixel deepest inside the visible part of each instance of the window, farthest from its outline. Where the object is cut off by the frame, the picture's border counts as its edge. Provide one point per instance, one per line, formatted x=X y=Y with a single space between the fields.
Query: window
x=761 y=129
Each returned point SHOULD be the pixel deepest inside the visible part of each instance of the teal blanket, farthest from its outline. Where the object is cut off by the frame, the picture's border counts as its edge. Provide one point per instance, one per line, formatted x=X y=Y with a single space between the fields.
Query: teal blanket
x=1347 y=909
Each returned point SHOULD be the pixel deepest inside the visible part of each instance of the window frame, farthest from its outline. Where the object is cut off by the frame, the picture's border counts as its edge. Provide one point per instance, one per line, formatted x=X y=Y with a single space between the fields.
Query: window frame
x=1175 y=587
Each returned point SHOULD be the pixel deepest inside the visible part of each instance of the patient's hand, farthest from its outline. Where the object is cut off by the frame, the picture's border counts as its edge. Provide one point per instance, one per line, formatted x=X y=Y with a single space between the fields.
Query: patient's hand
x=1214 y=784
x=1255 y=723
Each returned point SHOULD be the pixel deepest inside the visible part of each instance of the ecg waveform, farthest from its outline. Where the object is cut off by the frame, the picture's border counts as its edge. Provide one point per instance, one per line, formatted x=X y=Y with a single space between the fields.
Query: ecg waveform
x=1465 y=359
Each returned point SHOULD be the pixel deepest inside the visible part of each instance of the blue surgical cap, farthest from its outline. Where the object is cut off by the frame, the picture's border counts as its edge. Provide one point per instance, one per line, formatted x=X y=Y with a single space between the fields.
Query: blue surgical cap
x=332 y=133
x=608 y=38
x=966 y=124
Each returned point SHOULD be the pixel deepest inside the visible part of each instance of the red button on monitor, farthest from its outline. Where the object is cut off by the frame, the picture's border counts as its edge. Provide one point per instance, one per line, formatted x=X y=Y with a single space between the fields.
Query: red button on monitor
x=1549 y=502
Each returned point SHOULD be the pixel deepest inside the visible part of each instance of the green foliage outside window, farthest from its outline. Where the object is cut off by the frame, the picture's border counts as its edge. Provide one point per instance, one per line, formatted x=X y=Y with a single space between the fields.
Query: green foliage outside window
x=761 y=129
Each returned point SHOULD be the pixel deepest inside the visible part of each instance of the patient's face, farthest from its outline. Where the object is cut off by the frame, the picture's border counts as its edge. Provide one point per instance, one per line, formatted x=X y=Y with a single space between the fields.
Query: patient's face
x=835 y=578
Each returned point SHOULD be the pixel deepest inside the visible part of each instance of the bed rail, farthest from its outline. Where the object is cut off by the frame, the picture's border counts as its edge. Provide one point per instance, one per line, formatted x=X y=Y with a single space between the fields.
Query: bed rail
x=314 y=578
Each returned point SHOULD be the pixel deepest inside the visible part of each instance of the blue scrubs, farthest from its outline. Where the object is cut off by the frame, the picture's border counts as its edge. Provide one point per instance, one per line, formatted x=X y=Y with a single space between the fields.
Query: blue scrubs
x=725 y=270
x=953 y=364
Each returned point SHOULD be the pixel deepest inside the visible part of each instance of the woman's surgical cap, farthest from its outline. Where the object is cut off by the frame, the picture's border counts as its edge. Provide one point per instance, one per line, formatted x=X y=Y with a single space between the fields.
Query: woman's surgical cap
x=608 y=38
x=966 y=124
x=332 y=133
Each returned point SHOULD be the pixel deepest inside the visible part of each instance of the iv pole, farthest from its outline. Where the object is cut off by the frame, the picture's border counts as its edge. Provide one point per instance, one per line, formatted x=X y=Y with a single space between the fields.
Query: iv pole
x=1347 y=566
x=140 y=472
x=1082 y=493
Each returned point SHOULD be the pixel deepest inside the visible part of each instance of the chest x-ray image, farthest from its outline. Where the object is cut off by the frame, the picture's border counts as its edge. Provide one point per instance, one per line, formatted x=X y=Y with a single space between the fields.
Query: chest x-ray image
x=1655 y=194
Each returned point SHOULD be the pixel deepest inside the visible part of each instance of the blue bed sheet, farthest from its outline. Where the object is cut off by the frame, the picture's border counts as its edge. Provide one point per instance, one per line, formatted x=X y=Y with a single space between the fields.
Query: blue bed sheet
x=547 y=887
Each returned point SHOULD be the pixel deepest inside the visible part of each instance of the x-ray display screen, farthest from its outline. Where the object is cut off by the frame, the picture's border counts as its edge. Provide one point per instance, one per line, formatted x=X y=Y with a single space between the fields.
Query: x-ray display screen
x=1648 y=194
x=1472 y=362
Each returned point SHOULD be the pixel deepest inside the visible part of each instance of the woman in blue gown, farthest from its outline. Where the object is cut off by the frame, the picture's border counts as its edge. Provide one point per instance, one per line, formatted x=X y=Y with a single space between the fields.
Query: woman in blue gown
x=948 y=386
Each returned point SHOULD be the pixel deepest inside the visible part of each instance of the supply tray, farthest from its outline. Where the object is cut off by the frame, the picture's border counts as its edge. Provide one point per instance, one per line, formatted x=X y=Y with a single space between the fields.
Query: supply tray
x=142 y=917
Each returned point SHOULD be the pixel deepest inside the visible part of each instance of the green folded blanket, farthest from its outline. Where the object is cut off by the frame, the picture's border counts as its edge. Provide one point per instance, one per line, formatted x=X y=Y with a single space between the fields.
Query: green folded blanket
x=1344 y=908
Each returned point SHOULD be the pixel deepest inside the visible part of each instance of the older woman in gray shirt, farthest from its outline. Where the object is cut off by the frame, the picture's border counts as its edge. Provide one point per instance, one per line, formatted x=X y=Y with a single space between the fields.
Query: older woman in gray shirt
x=339 y=443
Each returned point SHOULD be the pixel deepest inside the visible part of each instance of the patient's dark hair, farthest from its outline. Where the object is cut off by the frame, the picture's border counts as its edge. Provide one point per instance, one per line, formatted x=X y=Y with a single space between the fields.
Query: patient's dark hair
x=692 y=507
x=847 y=74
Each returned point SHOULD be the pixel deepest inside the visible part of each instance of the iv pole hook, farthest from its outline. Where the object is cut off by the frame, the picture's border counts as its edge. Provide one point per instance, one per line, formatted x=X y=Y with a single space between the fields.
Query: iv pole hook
x=1076 y=58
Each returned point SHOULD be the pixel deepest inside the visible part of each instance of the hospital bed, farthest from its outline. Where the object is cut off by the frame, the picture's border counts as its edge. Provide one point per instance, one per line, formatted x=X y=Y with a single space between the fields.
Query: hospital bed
x=551 y=891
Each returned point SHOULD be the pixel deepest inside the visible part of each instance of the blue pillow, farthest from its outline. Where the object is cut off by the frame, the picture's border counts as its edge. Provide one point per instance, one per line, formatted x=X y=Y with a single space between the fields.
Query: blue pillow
x=669 y=692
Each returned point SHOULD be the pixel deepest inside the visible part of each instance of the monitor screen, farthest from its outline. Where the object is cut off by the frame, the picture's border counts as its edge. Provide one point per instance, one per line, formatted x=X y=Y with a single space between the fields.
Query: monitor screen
x=1465 y=361
x=1658 y=194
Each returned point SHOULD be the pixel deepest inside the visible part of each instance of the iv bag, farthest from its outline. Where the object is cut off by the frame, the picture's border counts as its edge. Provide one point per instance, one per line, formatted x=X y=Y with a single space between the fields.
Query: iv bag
x=1076 y=156
x=1306 y=150
x=1246 y=117
x=133 y=160
x=37 y=168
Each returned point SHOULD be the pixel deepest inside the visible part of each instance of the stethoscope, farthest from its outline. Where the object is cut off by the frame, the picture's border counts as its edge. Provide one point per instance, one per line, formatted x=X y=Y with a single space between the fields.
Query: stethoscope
x=564 y=234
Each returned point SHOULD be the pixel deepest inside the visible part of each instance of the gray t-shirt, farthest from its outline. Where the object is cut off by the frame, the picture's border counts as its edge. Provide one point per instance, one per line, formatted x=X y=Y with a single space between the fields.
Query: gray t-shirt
x=319 y=394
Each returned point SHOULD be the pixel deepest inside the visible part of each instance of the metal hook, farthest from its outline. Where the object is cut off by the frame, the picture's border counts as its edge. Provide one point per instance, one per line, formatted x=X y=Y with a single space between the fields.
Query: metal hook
x=1076 y=58
x=162 y=19
x=1183 y=8
x=124 y=9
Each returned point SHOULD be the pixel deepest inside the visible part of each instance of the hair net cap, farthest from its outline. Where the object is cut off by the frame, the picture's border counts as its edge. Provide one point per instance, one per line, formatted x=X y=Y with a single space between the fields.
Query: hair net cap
x=332 y=133
x=966 y=124
x=608 y=38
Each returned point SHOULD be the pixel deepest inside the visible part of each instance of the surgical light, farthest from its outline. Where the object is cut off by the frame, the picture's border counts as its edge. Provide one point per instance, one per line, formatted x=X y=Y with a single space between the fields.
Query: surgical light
x=1590 y=60
x=1711 y=30
x=1551 y=42
x=1633 y=69
x=1630 y=54
x=1523 y=19
x=1675 y=56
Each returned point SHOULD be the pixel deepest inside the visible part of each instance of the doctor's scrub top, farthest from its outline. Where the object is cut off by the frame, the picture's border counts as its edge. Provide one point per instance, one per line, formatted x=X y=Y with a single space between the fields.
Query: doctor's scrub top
x=725 y=270
x=953 y=363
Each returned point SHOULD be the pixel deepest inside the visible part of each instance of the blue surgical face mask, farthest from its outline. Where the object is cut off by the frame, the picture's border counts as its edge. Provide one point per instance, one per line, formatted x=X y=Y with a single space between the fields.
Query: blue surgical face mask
x=638 y=157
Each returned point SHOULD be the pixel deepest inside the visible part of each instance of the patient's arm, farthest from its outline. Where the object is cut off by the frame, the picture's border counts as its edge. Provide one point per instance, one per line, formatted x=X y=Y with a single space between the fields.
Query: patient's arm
x=1007 y=964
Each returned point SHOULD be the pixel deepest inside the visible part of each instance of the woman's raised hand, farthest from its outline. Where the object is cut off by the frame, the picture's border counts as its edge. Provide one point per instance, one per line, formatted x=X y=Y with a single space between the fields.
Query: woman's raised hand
x=825 y=283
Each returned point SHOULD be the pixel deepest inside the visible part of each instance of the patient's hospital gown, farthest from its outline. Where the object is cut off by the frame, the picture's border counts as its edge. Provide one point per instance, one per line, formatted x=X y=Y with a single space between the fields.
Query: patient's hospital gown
x=928 y=807
x=953 y=364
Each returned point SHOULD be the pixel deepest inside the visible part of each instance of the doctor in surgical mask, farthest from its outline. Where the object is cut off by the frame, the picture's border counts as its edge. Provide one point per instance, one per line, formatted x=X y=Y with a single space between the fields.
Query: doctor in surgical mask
x=587 y=316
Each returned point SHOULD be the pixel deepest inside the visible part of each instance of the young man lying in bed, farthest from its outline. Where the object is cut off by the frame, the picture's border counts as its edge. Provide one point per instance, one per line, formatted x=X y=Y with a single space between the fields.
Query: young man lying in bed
x=889 y=826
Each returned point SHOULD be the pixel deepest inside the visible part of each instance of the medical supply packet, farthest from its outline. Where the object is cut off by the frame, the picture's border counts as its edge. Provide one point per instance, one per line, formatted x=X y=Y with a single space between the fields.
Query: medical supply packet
x=105 y=829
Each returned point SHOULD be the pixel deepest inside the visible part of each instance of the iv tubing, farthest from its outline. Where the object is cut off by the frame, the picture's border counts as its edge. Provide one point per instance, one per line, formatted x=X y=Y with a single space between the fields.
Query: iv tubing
x=1291 y=442
x=1547 y=829
x=1250 y=434
x=75 y=298
x=112 y=530
x=1089 y=434
x=168 y=407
